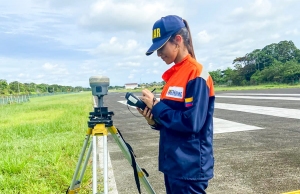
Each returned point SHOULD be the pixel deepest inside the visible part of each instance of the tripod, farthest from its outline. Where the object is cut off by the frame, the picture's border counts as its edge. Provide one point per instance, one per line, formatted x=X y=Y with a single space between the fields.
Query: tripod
x=100 y=124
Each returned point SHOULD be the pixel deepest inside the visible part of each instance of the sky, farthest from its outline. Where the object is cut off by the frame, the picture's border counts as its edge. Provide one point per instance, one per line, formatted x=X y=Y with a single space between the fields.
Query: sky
x=65 y=42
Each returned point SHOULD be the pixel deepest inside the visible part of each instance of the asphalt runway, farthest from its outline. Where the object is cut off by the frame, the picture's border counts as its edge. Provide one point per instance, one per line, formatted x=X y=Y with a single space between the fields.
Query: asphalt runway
x=256 y=143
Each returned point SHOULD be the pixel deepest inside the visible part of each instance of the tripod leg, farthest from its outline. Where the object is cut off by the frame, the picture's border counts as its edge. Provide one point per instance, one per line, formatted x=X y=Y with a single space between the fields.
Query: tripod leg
x=75 y=185
x=126 y=152
x=86 y=162
x=95 y=158
x=95 y=166
x=100 y=130
x=105 y=164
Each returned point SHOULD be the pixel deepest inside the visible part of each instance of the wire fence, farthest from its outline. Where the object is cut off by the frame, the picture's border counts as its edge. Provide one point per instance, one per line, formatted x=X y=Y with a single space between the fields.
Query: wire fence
x=4 y=100
x=18 y=99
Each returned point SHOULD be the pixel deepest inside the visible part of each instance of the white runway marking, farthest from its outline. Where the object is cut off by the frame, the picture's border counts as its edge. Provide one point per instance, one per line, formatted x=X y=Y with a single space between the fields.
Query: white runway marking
x=224 y=126
x=125 y=103
x=259 y=94
x=260 y=97
x=271 y=111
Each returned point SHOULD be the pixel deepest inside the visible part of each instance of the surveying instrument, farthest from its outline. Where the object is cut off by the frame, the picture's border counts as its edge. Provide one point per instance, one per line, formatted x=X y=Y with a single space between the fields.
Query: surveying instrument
x=99 y=125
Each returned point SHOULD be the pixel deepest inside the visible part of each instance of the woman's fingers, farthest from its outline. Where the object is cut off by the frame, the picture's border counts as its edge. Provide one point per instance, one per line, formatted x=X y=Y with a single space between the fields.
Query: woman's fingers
x=140 y=110
x=146 y=112
x=147 y=97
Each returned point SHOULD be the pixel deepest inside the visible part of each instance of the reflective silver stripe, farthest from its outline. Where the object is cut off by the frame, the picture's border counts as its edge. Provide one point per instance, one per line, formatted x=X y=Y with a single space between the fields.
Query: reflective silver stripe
x=204 y=74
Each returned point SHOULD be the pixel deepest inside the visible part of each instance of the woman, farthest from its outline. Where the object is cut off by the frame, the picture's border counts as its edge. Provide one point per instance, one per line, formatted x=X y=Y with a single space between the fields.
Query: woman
x=184 y=114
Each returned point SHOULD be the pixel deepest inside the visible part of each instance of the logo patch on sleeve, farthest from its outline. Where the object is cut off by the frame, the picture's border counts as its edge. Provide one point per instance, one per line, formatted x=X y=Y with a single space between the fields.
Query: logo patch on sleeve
x=175 y=92
x=188 y=102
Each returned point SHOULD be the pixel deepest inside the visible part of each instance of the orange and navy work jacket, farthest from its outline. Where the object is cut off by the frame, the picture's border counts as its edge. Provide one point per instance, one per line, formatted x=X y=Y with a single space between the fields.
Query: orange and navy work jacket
x=184 y=117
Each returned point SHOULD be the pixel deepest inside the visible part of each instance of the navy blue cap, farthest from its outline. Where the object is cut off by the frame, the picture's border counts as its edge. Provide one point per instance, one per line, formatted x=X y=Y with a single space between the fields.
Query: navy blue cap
x=162 y=31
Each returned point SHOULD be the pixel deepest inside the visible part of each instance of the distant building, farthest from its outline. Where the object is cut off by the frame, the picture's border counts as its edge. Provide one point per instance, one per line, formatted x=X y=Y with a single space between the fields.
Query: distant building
x=131 y=85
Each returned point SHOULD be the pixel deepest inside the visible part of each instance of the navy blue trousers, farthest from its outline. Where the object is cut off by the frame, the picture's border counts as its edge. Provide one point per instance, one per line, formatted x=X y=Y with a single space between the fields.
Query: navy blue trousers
x=179 y=186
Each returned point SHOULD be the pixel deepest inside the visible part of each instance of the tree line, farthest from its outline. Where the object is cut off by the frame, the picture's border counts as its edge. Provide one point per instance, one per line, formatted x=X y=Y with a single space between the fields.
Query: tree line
x=16 y=87
x=275 y=63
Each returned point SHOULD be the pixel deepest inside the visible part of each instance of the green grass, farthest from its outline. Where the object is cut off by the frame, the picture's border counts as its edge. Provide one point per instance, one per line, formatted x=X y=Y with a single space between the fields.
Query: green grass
x=40 y=143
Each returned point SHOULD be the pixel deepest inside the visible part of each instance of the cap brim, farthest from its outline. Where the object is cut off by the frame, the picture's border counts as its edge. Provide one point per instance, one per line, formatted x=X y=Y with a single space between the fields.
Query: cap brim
x=157 y=45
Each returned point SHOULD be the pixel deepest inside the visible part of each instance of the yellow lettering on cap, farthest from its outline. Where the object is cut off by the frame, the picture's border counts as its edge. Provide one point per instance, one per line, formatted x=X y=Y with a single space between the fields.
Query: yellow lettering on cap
x=156 y=33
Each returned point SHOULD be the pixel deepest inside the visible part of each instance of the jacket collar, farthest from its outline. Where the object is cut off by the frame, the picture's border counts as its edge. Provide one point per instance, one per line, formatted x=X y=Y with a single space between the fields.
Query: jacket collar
x=167 y=74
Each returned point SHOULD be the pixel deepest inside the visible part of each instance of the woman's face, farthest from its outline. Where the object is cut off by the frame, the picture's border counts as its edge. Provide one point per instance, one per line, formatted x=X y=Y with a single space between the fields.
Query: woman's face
x=168 y=52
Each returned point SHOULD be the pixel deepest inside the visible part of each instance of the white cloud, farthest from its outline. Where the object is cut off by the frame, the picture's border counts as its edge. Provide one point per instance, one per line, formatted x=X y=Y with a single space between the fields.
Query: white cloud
x=153 y=71
x=262 y=8
x=135 y=15
x=258 y=8
x=22 y=75
x=48 y=66
x=131 y=76
x=292 y=32
x=204 y=37
x=156 y=64
x=210 y=67
x=55 y=69
x=275 y=36
x=128 y=64
x=40 y=76
x=238 y=11
x=115 y=47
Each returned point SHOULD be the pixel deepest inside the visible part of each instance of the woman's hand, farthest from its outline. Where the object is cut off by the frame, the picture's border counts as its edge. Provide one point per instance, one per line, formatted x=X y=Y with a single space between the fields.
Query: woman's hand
x=148 y=98
x=147 y=114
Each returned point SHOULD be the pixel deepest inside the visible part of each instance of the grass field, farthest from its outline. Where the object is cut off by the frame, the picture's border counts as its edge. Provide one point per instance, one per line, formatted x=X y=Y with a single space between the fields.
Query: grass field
x=40 y=143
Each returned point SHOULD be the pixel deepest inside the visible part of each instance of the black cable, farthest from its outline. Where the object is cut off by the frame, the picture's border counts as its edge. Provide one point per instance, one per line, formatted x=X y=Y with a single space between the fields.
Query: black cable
x=133 y=163
x=132 y=112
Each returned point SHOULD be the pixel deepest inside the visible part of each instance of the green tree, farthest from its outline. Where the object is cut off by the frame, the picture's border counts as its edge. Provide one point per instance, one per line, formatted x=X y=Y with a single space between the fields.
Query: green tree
x=285 y=51
x=42 y=88
x=267 y=64
x=273 y=73
x=30 y=87
x=256 y=78
x=217 y=76
x=291 y=71
x=78 y=88
x=4 y=87
x=16 y=87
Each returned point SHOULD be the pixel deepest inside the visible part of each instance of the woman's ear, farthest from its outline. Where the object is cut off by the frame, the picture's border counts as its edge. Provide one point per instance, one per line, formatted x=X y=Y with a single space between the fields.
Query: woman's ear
x=178 y=39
